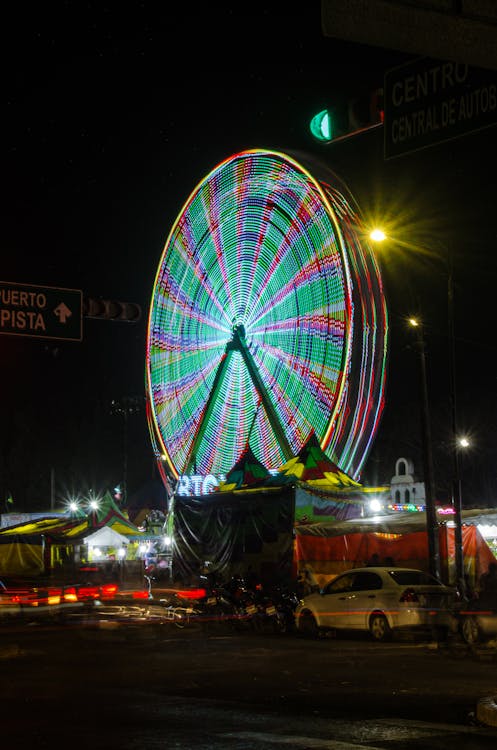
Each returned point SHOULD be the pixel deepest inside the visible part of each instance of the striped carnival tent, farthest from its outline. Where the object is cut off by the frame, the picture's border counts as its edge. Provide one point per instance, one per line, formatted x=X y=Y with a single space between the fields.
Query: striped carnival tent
x=326 y=549
x=33 y=548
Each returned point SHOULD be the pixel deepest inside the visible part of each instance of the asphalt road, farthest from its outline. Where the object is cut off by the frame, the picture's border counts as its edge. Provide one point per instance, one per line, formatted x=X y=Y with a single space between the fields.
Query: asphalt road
x=68 y=686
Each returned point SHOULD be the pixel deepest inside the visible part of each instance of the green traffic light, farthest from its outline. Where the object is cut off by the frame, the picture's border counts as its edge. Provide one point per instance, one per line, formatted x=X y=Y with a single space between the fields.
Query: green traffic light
x=322 y=126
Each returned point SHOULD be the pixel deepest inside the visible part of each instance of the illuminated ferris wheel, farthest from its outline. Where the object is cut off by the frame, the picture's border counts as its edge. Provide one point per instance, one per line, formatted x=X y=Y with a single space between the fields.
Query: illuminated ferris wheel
x=267 y=322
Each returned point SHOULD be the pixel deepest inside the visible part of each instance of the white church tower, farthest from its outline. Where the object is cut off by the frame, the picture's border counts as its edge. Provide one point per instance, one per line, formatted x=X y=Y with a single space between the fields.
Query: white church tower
x=405 y=492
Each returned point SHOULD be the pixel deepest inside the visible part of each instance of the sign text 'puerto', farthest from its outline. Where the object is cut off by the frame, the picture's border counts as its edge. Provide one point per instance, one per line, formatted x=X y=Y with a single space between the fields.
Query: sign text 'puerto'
x=40 y=311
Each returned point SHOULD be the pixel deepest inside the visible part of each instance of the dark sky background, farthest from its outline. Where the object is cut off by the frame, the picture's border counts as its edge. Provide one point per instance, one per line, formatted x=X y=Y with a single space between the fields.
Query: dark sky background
x=112 y=113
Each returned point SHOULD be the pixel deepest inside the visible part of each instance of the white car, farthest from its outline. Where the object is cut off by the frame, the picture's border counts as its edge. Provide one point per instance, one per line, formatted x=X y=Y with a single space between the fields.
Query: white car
x=379 y=600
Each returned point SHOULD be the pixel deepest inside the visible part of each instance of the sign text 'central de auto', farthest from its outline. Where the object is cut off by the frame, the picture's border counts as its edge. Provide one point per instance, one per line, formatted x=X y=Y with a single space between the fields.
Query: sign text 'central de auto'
x=431 y=101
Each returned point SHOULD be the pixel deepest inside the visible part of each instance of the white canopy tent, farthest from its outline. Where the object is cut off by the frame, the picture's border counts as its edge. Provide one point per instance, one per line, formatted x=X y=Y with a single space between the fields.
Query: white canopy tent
x=106 y=537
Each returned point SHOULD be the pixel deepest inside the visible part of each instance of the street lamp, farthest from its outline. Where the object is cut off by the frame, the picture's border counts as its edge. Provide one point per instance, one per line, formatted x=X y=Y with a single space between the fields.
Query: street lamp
x=378 y=235
x=431 y=513
x=460 y=443
x=456 y=443
x=125 y=406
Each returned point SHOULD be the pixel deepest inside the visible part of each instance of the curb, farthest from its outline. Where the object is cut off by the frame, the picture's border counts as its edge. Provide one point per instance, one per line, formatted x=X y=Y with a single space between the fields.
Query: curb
x=486 y=711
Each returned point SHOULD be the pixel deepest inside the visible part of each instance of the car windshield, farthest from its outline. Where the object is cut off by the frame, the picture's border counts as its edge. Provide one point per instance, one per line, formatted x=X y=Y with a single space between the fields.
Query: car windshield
x=413 y=578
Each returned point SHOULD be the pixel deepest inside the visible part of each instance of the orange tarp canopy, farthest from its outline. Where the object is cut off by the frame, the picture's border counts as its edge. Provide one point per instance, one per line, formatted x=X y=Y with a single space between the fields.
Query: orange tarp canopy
x=326 y=556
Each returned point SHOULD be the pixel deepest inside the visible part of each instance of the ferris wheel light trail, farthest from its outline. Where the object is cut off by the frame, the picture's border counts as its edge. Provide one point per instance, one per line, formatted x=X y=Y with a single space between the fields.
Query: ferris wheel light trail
x=264 y=297
x=237 y=343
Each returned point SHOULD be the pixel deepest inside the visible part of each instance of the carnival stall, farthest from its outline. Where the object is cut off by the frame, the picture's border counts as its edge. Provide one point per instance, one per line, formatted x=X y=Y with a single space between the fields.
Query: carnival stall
x=62 y=545
x=326 y=549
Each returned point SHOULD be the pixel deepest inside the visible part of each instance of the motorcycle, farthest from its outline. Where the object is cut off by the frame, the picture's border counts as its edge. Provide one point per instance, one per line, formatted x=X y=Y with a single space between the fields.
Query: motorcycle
x=265 y=617
x=285 y=603
x=275 y=610
x=242 y=600
x=216 y=606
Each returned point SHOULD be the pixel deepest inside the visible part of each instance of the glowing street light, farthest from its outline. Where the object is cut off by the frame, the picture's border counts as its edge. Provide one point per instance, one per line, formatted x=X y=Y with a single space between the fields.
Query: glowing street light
x=375 y=505
x=377 y=235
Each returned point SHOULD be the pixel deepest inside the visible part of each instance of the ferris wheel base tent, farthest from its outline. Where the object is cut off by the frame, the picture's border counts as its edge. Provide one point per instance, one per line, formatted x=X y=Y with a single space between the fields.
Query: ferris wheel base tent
x=267 y=322
x=250 y=521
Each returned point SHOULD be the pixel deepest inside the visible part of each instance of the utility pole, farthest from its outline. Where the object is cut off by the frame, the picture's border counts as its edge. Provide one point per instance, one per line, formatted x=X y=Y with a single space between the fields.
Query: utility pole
x=456 y=479
x=431 y=514
x=124 y=407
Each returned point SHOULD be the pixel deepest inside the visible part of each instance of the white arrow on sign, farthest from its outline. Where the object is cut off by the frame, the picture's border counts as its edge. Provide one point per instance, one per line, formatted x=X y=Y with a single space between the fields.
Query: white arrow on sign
x=62 y=312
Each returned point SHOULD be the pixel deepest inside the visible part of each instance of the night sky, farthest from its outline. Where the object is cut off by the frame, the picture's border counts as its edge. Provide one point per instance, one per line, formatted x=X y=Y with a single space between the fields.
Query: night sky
x=112 y=113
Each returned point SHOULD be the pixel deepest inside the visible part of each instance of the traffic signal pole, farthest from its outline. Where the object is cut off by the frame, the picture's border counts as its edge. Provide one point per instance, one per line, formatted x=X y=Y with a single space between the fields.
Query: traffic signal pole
x=353 y=133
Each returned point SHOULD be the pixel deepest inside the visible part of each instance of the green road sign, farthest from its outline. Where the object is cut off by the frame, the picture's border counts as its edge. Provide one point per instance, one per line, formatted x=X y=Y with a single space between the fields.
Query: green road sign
x=40 y=311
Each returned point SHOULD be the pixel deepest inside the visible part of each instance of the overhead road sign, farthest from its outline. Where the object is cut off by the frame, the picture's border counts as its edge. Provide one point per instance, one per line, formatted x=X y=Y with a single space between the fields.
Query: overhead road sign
x=435 y=28
x=40 y=311
x=429 y=101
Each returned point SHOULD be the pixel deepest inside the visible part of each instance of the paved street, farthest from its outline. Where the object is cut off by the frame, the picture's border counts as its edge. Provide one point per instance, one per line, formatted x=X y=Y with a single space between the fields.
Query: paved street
x=182 y=688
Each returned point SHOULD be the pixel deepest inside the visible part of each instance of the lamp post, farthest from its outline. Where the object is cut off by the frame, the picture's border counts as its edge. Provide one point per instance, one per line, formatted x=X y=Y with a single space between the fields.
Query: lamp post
x=125 y=406
x=459 y=443
x=431 y=513
x=456 y=443
x=377 y=235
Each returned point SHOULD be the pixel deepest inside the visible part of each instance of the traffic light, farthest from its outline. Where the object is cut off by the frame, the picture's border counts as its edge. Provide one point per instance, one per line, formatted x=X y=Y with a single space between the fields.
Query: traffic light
x=348 y=117
x=325 y=126
x=111 y=309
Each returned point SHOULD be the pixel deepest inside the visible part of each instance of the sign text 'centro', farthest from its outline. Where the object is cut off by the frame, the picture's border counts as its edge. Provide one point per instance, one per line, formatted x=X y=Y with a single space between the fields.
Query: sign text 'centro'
x=44 y=312
x=431 y=101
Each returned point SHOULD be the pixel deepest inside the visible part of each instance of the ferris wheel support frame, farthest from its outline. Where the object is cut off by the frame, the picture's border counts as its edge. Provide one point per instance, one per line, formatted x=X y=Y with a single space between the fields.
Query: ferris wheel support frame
x=238 y=344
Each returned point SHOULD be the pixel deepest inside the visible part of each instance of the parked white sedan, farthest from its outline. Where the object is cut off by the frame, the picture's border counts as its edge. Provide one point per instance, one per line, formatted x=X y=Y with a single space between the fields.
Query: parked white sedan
x=380 y=600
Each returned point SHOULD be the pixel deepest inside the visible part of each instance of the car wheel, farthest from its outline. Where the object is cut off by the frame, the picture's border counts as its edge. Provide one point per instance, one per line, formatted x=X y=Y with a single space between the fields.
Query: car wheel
x=470 y=631
x=308 y=625
x=379 y=628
